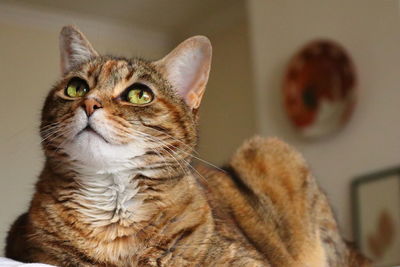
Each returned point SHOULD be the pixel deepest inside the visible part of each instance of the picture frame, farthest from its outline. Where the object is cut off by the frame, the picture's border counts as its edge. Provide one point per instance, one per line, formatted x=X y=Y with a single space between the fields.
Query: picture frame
x=376 y=210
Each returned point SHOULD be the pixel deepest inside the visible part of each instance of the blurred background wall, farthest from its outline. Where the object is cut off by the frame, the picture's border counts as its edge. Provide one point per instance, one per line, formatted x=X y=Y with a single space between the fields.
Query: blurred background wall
x=252 y=41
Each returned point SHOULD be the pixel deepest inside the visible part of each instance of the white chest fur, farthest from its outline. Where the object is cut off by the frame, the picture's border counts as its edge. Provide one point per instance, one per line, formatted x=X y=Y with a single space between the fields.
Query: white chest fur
x=110 y=198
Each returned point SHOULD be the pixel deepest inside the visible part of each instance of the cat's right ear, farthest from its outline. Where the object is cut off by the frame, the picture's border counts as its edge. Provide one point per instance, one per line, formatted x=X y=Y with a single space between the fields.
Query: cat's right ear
x=187 y=68
x=74 y=48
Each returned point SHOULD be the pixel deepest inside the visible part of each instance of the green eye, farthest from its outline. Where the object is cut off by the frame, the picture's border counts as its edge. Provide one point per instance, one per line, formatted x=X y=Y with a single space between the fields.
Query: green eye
x=140 y=95
x=76 y=88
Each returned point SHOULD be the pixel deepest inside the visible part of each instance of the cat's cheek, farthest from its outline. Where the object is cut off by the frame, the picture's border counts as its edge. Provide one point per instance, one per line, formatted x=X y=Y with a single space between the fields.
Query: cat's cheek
x=78 y=123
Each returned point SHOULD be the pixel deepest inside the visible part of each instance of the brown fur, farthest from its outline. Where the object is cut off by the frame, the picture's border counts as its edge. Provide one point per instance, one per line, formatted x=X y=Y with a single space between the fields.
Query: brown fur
x=270 y=194
x=265 y=209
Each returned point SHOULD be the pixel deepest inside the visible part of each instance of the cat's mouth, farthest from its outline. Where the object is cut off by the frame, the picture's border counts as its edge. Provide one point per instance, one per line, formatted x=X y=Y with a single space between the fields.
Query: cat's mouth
x=91 y=130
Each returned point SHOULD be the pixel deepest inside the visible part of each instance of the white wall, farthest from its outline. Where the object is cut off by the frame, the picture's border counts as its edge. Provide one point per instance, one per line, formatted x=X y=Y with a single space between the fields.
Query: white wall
x=370 y=31
x=28 y=68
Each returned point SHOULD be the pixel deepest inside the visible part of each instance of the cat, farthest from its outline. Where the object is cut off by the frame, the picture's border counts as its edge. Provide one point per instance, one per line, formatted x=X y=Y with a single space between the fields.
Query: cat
x=118 y=188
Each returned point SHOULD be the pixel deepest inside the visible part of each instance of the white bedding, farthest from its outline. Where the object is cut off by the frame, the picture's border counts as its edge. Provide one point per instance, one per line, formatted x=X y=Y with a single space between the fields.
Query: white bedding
x=8 y=262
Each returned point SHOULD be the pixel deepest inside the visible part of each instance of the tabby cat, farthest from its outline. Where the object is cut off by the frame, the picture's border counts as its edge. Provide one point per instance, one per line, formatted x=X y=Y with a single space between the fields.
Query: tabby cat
x=117 y=187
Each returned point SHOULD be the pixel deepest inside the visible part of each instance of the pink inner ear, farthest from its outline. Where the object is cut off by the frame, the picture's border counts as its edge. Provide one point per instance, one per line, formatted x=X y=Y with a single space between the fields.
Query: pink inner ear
x=193 y=96
x=187 y=68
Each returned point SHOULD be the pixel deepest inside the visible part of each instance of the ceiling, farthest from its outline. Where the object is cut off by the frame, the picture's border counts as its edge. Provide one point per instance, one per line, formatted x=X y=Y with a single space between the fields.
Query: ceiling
x=162 y=15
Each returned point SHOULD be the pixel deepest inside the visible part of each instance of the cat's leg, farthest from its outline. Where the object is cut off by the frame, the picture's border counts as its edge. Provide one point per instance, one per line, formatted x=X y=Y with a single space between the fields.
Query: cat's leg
x=21 y=246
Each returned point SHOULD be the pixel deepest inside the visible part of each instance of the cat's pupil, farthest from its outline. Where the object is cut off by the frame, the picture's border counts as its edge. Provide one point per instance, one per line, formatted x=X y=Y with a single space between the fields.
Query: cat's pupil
x=82 y=89
x=141 y=92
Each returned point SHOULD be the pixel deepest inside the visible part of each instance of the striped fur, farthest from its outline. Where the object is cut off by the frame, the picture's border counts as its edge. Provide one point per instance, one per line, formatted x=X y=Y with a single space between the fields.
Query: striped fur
x=128 y=196
x=275 y=202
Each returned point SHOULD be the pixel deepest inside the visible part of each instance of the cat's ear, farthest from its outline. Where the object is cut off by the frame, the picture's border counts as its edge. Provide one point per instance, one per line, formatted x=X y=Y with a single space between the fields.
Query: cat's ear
x=187 y=68
x=74 y=48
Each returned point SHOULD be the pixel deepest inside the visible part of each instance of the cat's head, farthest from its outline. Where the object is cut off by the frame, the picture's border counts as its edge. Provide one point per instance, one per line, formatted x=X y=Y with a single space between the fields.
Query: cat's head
x=107 y=112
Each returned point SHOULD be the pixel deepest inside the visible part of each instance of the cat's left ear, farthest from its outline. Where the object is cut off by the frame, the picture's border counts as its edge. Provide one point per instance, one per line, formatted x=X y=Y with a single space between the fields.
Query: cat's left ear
x=74 y=48
x=187 y=68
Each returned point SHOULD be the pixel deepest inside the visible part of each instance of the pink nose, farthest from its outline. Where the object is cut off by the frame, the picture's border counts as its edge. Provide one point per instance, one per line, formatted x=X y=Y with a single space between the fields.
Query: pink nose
x=90 y=105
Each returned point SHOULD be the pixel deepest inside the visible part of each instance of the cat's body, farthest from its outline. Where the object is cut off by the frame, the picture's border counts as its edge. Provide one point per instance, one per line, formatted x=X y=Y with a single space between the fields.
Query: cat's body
x=183 y=231
x=117 y=188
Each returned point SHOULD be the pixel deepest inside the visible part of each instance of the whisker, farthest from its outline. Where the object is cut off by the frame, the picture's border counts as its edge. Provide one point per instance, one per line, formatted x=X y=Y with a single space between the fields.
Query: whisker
x=172 y=137
x=52 y=134
x=187 y=163
x=183 y=151
x=65 y=140
x=180 y=164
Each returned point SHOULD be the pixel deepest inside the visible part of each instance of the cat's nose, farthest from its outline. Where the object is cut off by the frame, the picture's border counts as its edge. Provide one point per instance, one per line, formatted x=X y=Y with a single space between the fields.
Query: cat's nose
x=90 y=105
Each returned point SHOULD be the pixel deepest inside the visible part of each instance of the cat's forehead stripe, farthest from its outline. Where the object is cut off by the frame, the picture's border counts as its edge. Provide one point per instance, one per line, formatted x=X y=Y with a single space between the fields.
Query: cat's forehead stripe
x=91 y=69
x=130 y=74
x=107 y=74
x=108 y=68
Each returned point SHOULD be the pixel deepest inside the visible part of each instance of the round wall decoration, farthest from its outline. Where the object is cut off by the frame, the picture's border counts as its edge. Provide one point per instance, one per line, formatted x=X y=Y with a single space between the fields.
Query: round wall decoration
x=319 y=88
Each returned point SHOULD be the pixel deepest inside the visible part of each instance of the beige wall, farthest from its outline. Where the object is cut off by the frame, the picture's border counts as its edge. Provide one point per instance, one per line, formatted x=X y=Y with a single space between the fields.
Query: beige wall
x=228 y=113
x=28 y=67
x=370 y=30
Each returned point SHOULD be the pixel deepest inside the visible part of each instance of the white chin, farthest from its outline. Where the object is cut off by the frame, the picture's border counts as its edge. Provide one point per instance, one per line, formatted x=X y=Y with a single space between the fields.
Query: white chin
x=93 y=153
